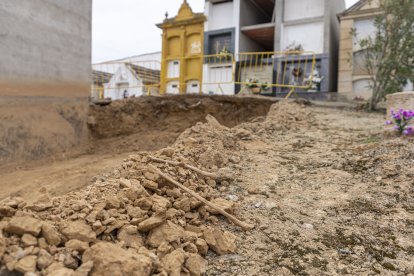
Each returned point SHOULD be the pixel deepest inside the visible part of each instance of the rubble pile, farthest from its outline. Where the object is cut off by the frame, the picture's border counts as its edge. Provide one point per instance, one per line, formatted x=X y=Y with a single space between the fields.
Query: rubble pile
x=130 y=220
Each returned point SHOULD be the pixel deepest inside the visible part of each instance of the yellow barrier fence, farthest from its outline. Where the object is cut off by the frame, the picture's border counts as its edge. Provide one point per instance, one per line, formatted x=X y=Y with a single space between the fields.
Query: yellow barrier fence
x=252 y=73
x=270 y=72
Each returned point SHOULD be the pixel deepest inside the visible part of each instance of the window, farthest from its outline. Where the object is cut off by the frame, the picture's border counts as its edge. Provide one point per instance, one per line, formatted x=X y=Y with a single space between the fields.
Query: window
x=218 y=43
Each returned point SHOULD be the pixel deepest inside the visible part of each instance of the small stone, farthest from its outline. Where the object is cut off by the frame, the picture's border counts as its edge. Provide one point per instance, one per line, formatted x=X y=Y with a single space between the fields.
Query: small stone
x=169 y=152
x=26 y=264
x=196 y=265
x=151 y=223
x=258 y=204
x=151 y=176
x=44 y=259
x=112 y=202
x=7 y=211
x=143 y=203
x=389 y=264
x=42 y=243
x=183 y=204
x=164 y=249
x=29 y=240
x=221 y=242
x=70 y=261
x=110 y=259
x=84 y=269
x=226 y=205
x=77 y=245
x=202 y=246
x=233 y=198
x=124 y=183
x=211 y=183
x=24 y=225
x=167 y=232
x=62 y=271
x=130 y=240
x=149 y=184
x=159 y=203
x=136 y=212
x=173 y=262
x=78 y=230
x=51 y=235
x=307 y=226
x=175 y=193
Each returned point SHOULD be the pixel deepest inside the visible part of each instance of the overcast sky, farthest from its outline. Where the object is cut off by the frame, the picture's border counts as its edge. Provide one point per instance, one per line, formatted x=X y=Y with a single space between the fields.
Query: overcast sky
x=123 y=28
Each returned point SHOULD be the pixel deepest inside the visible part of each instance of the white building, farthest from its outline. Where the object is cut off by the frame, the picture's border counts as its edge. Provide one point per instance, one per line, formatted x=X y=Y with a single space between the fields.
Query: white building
x=271 y=26
x=131 y=76
x=354 y=78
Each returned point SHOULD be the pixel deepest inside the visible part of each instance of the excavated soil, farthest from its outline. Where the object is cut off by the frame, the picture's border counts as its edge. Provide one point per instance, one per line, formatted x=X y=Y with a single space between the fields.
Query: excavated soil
x=327 y=191
x=152 y=123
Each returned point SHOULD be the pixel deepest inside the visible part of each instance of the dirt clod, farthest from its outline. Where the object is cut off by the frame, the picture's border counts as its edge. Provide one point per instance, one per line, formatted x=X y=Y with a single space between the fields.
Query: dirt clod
x=24 y=225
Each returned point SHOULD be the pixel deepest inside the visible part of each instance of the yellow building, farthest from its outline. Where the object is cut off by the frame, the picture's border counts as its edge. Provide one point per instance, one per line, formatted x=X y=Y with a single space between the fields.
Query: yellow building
x=182 y=52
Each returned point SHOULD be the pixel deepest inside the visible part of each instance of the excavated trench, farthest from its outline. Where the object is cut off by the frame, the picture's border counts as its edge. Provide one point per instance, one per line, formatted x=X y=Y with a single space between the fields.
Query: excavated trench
x=152 y=123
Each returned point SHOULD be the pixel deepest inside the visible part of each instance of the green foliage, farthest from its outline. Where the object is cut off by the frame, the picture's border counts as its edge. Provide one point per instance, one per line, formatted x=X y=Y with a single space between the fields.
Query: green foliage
x=389 y=54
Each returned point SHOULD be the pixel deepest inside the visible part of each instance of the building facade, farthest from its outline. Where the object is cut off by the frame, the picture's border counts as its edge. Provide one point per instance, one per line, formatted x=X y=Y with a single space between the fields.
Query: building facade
x=182 y=49
x=131 y=76
x=241 y=26
x=357 y=23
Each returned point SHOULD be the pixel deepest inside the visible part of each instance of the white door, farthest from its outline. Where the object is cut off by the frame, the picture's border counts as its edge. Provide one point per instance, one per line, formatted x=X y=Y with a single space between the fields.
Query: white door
x=193 y=87
x=173 y=69
x=173 y=87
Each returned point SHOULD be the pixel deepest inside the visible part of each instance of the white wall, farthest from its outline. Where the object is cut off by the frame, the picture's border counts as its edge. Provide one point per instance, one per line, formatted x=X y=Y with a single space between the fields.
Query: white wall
x=220 y=16
x=364 y=28
x=301 y=9
x=310 y=35
x=123 y=80
x=361 y=88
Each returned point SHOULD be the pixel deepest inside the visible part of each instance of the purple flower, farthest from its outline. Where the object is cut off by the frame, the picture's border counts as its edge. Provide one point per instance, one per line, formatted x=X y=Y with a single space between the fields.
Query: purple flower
x=396 y=128
x=388 y=123
x=392 y=111
x=396 y=116
x=408 y=131
x=406 y=114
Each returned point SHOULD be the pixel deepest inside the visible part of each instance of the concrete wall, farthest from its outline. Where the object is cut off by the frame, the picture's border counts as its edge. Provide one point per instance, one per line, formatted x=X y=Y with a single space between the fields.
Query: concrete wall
x=45 y=47
x=364 y=28
x=299 y=9
x=221 y=16
x=309 y=35
x=45 y=70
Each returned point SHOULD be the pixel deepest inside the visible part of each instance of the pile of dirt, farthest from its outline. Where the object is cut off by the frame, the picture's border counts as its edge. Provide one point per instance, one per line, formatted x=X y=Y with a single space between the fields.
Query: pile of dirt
x=152 y=123
x=130 y=220
x=327 y=193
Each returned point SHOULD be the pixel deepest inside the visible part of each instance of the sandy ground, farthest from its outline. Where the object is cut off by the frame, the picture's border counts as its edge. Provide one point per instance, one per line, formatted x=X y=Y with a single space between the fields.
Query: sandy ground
x=329 y=193
x=57 y=177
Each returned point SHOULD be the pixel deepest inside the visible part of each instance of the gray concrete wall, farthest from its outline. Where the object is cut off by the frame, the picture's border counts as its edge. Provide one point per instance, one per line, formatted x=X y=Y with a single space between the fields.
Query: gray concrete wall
x=335 y=7
x=45 y=64
x=45 y=47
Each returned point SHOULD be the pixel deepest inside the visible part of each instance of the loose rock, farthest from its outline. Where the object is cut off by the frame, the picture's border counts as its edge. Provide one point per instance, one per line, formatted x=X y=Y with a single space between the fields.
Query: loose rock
x=24 y=225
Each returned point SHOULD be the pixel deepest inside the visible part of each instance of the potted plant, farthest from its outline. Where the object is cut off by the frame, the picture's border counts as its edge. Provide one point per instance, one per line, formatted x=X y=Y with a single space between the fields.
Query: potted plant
x=225 y=55
x=256 y=87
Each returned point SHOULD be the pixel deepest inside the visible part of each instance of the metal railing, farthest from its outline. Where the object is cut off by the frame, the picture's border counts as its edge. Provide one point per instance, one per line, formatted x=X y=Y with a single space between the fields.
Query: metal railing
x=254 y=72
